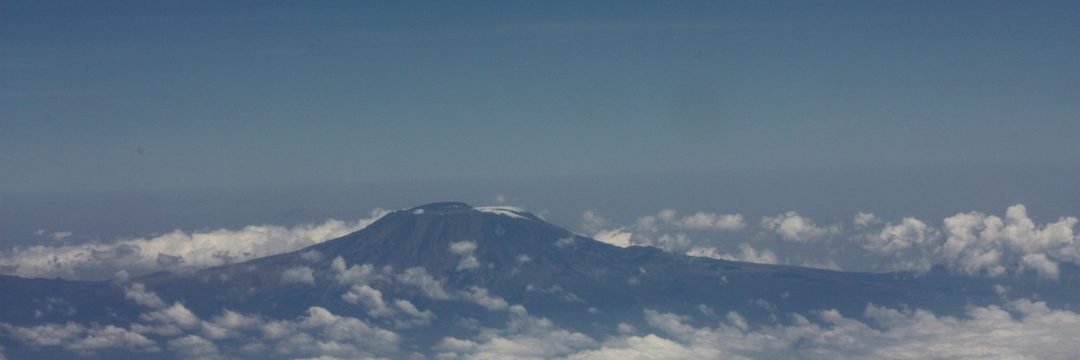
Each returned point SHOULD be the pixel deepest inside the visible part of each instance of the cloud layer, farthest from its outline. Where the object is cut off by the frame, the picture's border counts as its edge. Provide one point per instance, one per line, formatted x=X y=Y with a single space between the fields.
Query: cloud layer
x=969 y=243
x=174 y=251
x=1020 y=329
x=1016 y=329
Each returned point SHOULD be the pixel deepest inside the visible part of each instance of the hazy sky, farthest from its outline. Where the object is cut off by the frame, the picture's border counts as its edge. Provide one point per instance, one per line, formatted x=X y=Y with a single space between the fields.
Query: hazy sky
x=129 y=118
x=161 y=95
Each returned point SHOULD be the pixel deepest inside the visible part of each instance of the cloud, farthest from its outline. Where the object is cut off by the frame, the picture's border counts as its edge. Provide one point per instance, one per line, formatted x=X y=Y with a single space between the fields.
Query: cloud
x=622 y=238
x=746 y=253
x=669 y=242
x=407 y=307
x=174 y=251
x=170 y=321
x=524 y=337
x=1020 y=329
x=644 y=347
x=987 y=244
x=1017 y=329
x=231 y=323
x=897 y=238
x=57 y=235
x=320 y=332
x=422 y=280
x=616 y=237
x=973 y=243
x=667 y=219
x=662 y=230
x=790 y=226
x=60 y=235
x=299 y=274
x=864 y=219
x=370 y=298
x=230 y=334
x=194 y=347
x=593 y=222
x=357 y=274
x=467 y=251
x=1042 y=266
x=78 y=338
x=969 y=243
x=710 y=221
x=137 y=292
x=360 y=276
x=482 y=297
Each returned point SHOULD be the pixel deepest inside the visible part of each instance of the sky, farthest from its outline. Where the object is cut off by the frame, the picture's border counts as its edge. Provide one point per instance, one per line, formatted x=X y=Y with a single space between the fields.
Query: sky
x=126 y=118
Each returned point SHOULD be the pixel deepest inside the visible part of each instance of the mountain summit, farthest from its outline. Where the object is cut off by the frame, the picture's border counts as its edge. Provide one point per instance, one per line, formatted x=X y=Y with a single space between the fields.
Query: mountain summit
x=444 y=237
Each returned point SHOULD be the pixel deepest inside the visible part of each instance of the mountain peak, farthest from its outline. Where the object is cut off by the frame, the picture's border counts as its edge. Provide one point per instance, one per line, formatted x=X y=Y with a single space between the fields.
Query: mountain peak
x=424 y=236
x=452 y=208
x=510 y=211
x=442 y=206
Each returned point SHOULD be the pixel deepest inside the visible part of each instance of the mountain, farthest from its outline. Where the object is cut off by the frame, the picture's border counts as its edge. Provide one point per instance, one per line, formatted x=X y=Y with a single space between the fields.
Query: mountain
x=445 y=269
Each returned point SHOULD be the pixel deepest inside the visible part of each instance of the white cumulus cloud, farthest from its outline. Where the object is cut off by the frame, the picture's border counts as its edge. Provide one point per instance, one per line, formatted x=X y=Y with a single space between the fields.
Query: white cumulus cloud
x=977 y=243
x=790 y=226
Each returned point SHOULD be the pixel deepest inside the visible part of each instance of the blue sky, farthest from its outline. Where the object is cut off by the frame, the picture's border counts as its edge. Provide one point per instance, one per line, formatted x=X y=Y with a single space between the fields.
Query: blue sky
x=153 y=111
x=246 y=94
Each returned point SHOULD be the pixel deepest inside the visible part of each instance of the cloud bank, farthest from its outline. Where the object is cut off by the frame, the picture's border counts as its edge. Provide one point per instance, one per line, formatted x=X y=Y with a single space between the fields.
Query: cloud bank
x=174 y=251
x=970 y=243
x=1020 y=328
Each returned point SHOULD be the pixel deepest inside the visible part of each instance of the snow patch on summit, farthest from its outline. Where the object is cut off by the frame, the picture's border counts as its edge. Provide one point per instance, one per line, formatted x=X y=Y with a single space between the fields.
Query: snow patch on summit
x=514 y=212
